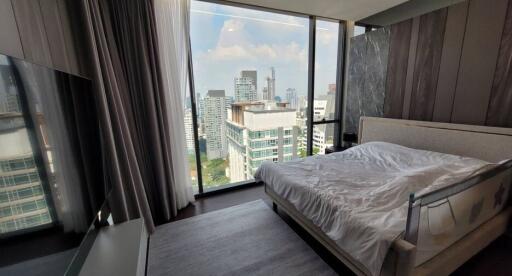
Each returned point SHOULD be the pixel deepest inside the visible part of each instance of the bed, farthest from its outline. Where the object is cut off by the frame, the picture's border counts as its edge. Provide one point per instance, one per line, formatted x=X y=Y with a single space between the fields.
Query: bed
x=416 y=198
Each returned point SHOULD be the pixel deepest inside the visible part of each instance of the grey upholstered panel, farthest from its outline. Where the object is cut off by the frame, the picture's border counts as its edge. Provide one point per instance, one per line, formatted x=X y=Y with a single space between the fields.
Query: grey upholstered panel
x=487 y=143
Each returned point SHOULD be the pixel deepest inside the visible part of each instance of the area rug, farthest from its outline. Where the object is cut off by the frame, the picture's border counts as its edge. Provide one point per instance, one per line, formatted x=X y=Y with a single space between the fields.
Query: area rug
x=247 y=239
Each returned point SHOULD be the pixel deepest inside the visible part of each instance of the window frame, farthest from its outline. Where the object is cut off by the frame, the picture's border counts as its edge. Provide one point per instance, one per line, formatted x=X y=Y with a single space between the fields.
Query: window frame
x=340 y=82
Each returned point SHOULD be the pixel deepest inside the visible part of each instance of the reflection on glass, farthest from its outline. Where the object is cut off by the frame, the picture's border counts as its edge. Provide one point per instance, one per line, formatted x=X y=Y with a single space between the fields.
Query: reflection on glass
x=51 y=175
x=250 y=73
x=23 y=201
x=359 y=30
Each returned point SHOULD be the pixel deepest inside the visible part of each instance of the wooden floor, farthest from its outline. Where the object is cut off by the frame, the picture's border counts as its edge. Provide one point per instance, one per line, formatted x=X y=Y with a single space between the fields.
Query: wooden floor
x=495 y=260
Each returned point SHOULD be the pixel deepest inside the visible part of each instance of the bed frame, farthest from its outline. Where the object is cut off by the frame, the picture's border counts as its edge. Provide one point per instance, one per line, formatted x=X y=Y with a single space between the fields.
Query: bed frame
x=486 y=143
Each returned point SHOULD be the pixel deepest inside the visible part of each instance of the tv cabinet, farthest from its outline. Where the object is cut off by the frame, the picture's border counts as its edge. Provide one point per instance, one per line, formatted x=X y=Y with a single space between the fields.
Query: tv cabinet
x=119 y=249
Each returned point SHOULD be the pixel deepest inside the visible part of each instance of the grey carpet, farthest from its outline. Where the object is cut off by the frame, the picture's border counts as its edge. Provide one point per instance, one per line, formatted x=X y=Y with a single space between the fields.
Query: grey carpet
x=248 y=239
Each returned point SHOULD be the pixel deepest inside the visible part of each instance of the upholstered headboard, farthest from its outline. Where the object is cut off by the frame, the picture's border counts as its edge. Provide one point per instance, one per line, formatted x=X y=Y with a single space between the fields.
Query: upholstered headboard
x=491 y=144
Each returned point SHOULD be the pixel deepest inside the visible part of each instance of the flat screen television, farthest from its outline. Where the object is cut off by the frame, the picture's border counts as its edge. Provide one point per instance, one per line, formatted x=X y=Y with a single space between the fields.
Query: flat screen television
x=51 y=181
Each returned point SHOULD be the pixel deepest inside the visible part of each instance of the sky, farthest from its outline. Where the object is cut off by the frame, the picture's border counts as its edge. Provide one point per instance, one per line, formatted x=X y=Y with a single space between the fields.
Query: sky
x=227 y=40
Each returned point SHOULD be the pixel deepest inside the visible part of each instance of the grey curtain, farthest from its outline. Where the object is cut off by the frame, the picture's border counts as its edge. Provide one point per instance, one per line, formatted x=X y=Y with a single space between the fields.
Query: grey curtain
x=132 y=110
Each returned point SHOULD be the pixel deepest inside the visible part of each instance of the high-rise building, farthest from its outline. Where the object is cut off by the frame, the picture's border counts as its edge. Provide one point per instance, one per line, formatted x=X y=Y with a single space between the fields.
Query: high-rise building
x=270 y=92
x=200 y=103
x=189 y=130
x=229 y=101
x=252 y=74
x=332 y=88
x=323 y=134
x=324 y=107
x=245 y=87
x=215 y=124
x=22 y=198
x=259 y=132
x=291 y=98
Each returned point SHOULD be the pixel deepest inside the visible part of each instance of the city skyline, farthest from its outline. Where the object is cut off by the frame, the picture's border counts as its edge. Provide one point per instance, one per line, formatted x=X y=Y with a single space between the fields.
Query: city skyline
x=251 y=86
x=241 y=132
x=234 y=39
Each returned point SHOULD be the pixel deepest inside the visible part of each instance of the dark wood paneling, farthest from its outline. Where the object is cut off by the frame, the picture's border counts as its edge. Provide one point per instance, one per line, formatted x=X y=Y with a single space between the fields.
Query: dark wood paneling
x=478 y=60
x=51 y=15
x=32 y=31
x=400 y=38
x=450 y=58
x=426 y=67
x=500 y=106
x=74 y=26
x=10 y=43
x=46 y=32
x=413 y=46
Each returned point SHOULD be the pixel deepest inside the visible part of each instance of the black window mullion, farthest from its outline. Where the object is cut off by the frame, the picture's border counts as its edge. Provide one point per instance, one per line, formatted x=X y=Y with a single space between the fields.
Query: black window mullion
x=340 y=82
x=192 y=91
x=311 y=84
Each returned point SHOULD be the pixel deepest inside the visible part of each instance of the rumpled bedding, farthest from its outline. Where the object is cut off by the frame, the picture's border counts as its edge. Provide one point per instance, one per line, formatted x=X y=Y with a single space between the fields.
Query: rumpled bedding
x=359 y=197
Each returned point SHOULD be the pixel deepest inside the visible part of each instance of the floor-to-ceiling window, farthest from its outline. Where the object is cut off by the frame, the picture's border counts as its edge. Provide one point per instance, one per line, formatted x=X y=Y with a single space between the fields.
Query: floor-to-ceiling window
x=324 y=103
x=252 y=93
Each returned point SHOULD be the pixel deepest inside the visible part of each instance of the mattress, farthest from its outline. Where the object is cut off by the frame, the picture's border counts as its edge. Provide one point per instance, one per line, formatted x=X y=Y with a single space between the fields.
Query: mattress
x=359 y=197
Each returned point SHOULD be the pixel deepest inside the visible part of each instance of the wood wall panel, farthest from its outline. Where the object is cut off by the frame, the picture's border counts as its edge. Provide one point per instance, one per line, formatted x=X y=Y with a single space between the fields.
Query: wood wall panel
x=32 y=31
x=400 y=37
x=500 y=106
x=478 y=60
x=426 y=68
x=59 y=35
x=411 y=61
x=453 y=65
x=45 y=32
x=10 y=43
x=450 y=58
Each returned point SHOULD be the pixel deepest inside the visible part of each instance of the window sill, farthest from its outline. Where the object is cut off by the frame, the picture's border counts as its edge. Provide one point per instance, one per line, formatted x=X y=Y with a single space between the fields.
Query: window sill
x=227 y=188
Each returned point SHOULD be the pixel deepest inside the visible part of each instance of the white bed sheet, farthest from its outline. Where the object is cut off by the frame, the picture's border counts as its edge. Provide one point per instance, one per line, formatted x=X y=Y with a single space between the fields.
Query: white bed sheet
x=359 y=197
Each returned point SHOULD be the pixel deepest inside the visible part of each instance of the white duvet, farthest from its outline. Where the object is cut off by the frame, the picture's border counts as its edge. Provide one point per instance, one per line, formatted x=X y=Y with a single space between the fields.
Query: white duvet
x=359 y=197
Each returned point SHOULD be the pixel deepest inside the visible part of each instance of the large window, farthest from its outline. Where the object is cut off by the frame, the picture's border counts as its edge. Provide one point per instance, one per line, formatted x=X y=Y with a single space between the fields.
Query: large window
x=251 y=90
x=326 y=52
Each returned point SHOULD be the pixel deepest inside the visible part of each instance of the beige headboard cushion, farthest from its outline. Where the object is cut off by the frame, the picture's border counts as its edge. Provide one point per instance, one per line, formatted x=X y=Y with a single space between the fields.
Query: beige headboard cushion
x=492 y=144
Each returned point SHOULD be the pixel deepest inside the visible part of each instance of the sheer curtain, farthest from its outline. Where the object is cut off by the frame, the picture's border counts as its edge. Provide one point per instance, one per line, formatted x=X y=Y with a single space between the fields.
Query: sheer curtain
x=172 y=19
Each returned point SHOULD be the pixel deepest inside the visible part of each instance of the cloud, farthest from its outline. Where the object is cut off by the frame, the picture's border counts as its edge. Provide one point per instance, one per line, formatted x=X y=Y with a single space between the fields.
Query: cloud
x=253 y=40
